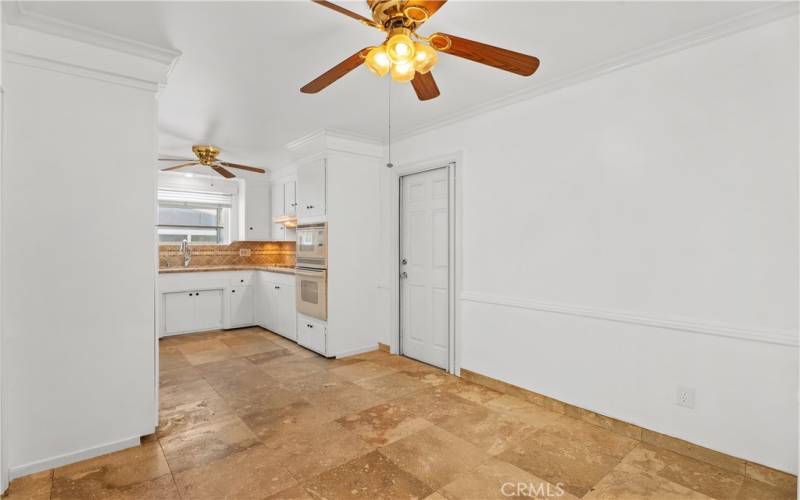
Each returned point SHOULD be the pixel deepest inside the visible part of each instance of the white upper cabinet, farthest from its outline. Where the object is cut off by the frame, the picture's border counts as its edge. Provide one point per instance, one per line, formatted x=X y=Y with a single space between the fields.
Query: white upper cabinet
x=257 y=225
x=311 y=189
x=283 y=205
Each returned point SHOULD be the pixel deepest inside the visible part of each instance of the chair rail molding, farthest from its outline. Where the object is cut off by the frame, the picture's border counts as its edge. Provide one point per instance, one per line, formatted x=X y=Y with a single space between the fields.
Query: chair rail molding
x=44 y=42
x=778 y=336
x=751 y=19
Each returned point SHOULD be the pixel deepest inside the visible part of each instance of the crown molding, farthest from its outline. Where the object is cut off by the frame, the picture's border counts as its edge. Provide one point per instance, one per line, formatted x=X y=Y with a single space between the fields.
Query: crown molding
x=36 y=40
x=332 y=133
x=748 y=20
x=320 y=142
x=17 y=14
x=757 y=334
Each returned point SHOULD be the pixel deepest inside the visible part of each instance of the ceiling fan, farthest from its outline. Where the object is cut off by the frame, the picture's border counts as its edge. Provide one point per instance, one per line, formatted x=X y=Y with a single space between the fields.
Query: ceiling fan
x=207 y=155
x=409 y=60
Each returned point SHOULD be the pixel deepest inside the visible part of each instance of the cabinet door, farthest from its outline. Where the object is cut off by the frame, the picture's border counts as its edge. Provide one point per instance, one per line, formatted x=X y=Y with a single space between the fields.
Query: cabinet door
x=261 y=301
x=289 y=198
x=208 y=310
x=257 y=226
x=272 y=311
x=241 y=306
x=311 y=189
x=287 y=312
x=178 y=312
x=311 y=334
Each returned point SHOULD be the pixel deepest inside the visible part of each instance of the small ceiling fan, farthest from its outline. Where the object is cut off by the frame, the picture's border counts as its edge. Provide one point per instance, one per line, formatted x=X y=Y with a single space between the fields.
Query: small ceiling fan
x=409 y=60
x=207 y=155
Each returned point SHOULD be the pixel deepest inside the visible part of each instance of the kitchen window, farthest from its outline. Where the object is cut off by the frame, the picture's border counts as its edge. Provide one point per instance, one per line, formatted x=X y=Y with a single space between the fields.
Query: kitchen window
x=197 y=217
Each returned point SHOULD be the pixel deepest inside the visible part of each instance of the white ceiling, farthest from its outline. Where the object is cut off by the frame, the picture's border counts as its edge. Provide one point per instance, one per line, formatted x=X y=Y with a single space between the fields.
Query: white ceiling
x=237 y=83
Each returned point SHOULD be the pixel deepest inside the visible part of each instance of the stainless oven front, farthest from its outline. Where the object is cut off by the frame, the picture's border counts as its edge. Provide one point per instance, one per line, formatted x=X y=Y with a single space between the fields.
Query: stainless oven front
x=311 y=287
x=312 y=247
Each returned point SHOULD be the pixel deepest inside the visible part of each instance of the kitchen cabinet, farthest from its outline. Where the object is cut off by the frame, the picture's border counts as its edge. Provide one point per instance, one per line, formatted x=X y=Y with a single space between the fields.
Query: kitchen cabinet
x=241 y=306
x=312 y=334
x=275 y=308
x=192 y=311
x=256 y=224
x=311 y=189
x=283 y=205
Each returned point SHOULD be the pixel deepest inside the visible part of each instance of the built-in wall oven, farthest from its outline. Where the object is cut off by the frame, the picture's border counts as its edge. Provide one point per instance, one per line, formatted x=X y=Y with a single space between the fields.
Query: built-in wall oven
x=311 y=275
x=312 y=290
x=312 y=247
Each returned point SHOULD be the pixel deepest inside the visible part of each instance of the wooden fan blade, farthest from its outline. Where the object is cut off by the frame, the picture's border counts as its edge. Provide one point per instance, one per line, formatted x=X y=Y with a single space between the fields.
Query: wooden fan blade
x=177 y=159
x=489 y=55
x=348 y=13
x=181 y=166
x=334 y=73
x=425 y=86
x=430 y=5
x=243 y=167
x=221 y=171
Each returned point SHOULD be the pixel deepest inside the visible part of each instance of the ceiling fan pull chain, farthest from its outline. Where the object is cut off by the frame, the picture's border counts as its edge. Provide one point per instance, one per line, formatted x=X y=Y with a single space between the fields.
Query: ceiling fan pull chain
x=389 y=142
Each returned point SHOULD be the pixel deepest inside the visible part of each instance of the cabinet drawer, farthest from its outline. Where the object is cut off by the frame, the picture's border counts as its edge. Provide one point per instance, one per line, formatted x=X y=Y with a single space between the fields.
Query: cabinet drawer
x=241 y=279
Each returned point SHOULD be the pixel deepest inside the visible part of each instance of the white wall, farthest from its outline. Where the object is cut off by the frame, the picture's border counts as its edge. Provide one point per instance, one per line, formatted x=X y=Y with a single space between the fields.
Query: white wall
x=78 y=216
x=607 y=224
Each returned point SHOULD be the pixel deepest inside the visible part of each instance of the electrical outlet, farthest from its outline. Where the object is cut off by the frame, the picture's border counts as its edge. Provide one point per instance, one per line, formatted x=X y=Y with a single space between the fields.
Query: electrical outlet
x=245 y=252
x=685 y=397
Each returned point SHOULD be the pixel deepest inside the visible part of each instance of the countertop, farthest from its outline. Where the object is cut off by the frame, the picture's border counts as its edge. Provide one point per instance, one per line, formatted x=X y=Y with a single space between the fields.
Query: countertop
x=206 y=269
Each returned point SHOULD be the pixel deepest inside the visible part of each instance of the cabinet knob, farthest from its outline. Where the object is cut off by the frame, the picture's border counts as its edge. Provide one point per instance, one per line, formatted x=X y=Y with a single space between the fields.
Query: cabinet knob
x=191 y=294
x=196 y=294
x=241 y=281
x=233 y=291
x=277 y=288
x=309 y=326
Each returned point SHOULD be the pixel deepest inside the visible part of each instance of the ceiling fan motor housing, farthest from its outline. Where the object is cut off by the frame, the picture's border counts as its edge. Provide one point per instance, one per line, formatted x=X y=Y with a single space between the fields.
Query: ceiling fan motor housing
x=206 y=153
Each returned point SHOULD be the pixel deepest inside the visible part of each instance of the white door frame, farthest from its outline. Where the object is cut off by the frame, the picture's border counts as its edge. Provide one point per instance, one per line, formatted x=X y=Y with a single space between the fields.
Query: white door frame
x=453 y=163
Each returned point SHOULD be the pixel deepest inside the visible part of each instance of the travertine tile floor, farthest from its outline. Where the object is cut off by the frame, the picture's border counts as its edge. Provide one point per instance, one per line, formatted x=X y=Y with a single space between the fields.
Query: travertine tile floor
x=246 y=414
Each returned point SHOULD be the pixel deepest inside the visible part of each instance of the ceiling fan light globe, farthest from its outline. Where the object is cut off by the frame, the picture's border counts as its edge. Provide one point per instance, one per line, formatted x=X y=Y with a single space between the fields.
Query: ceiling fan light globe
x=400 y=49
x=425 y=58
x=403 y=72
x=377 y=61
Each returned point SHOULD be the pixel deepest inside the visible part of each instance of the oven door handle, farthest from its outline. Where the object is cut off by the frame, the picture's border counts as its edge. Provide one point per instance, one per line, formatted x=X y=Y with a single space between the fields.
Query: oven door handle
x=312 y=273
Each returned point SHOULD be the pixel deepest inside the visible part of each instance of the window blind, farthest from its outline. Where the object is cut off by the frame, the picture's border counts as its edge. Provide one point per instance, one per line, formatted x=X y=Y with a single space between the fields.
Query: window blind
x=195 y=198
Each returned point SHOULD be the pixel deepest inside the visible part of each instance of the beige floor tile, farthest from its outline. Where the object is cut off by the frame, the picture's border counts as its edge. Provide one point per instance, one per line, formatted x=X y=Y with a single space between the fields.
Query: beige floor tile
x=317 y=448
x=371 y=476
x=170 y=358
x=632 y=483
x=274 y=423
x=188 y=392
x=430 y=376
x=189 y=415
x=393 y=385
x=492 y=431
x=101 y=476
x=248 y=475
x=277 y=355
x=571 y=452
x=32 y=487
x=472 y=392
x=385 y=423
x=529 y=413
x=434 y=456
x=705 y=478
x=362 y=371
x=168 y=378
x=756 y=490
x=285 y=371
x=249 y=345
x=435 y=405
x=206 y=351
x=495 y=479
x=207 y=443
x=296 y=492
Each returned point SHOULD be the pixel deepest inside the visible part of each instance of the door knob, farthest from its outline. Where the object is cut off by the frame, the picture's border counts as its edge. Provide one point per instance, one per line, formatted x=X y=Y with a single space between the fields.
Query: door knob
x=404 y=275
x=404 y=262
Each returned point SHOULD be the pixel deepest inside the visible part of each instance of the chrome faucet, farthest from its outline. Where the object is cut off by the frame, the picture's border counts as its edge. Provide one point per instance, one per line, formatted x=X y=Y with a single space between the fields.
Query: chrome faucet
x=187 y=257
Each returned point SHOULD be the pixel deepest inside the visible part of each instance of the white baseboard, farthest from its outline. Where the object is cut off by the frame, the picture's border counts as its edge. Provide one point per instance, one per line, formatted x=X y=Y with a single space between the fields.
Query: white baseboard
x=353 y=352
x=69 y=458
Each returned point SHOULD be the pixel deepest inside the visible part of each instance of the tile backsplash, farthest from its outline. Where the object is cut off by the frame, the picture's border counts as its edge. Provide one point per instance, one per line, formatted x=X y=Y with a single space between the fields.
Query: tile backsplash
x=239 y=253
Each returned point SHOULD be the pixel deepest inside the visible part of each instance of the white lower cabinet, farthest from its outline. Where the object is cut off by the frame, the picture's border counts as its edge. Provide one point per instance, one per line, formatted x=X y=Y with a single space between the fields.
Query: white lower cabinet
x=241 y=306
x=192 y=311
x=312 y=334
x=275 y=304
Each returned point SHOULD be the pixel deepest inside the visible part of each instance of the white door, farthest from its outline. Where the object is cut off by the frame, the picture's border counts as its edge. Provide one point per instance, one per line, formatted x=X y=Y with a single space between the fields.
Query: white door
x=287 y=316
x=256 y=213
x=289 y=198
x=241 y=306
x=424 y=267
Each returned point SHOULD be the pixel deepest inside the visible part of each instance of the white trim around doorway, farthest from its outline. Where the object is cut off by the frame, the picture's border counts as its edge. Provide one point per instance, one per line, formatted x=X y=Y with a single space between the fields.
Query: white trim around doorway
x=453 y=162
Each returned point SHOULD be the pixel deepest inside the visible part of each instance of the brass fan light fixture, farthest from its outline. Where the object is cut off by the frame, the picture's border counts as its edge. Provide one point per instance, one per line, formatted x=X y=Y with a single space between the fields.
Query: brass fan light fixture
x=408 y=56
x=207 y=155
